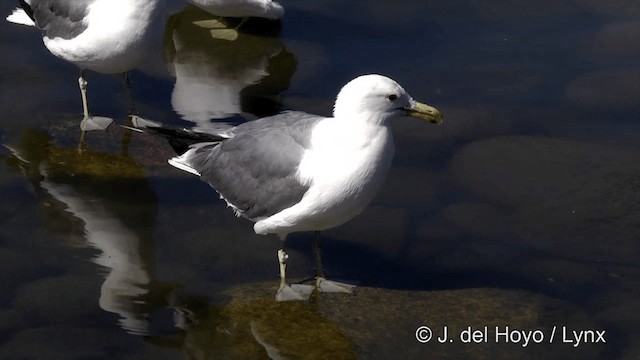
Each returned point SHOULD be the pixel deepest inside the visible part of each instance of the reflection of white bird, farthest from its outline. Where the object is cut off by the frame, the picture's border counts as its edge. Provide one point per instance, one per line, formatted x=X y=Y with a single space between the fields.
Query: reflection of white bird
x=211 y=73
x=107 y=36
x=205 y=89
x=301 y=172
x=127 y=277
x=77 y=182
x=241 y=8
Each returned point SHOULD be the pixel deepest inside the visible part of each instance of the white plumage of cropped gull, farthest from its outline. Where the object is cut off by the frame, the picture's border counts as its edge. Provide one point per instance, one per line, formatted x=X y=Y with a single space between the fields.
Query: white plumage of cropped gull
x=301 y=172
x=267 y=9
x=106 y=36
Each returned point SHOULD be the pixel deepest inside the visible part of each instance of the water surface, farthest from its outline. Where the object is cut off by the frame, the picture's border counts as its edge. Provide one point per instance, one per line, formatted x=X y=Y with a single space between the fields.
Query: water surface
x=520 y=210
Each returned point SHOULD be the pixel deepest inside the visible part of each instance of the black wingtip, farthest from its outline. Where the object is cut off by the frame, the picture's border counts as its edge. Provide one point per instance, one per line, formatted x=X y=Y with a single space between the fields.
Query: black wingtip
x=181 y=139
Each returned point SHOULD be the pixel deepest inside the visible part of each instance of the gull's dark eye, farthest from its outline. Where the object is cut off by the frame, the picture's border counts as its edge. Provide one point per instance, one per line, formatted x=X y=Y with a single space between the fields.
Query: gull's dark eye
x=392 y=97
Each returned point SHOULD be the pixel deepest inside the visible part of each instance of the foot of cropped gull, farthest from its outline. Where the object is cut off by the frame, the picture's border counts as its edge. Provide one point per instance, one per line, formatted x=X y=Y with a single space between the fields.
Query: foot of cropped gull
x=301 y=172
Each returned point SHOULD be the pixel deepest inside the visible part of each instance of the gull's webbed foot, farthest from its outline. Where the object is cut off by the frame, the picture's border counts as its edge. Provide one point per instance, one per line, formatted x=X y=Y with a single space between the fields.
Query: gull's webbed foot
x=93 y=123
x=295 y=292
x=328 y=286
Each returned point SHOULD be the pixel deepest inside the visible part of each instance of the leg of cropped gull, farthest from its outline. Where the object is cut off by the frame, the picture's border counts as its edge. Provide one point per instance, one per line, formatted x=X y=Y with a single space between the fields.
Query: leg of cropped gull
x=82 y=82
x=290 y=292
x=322 y=284
x=133 y=114
x=129 y=90
x=90 y=123
x=317 y=254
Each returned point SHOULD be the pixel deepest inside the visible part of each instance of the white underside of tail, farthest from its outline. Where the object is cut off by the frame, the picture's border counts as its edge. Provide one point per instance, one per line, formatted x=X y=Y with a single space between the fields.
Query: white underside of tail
x=18 y=16
x=183 y=162
x=180 y=163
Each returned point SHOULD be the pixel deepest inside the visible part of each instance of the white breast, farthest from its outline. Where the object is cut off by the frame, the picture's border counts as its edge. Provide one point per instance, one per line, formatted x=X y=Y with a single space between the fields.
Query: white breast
x=345 y=168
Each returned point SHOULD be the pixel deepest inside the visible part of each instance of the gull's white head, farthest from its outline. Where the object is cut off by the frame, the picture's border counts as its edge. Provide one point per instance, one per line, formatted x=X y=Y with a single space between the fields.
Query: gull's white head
x=381 y=98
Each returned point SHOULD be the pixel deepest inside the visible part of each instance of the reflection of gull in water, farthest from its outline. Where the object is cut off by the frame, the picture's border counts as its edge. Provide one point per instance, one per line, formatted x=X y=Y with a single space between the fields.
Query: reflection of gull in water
x=241 y=8
x=301 y=172
x=211 y=73
x=107 y=36
x=81 y=185
x=128 y=276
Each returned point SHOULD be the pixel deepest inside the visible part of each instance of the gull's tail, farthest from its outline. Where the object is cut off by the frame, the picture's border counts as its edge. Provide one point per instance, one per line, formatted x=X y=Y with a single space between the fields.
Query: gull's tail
x=180 y=139
x=192 y=158
x=21 y=17
x=188 y=144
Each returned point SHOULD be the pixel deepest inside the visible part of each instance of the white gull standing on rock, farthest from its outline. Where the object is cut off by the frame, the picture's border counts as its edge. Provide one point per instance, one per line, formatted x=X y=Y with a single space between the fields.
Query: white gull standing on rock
x=301 y=172
x=107 y=36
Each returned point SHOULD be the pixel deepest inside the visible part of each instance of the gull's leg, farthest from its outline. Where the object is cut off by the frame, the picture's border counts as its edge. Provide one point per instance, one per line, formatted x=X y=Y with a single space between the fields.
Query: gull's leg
x=134 y=119
x=317 y=254
x=290 y=292
x=82 y=82
x=282 y=260
x=129 y=90
x=90 y=123
x=322 y=284
x=126 y=137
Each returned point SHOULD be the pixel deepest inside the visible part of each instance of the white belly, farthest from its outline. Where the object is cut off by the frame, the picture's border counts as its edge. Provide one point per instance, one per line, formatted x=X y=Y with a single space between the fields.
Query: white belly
x=119 y=35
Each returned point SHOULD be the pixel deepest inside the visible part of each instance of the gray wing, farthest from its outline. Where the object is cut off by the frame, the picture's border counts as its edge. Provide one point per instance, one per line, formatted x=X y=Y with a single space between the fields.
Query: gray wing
x=255 y=170
x=296 y=123
x=58 y=18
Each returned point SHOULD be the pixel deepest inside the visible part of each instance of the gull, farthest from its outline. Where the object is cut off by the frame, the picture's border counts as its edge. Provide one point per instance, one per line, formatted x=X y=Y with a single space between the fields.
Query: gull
x=106 y=36
x=296 y=171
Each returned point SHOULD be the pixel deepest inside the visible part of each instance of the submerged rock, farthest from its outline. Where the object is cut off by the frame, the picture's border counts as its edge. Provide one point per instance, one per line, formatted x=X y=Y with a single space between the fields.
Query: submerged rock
x=382 y=323
x=572 y=198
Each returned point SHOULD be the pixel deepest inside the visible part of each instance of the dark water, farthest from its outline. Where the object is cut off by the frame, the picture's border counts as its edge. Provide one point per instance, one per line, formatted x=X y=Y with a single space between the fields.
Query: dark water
x=522 y=210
